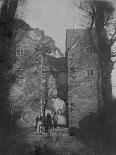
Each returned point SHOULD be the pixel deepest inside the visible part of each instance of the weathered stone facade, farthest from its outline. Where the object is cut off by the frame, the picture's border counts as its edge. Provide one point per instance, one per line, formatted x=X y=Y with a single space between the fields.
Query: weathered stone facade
x=40 y=76
x=31 y=68
x=82 y=75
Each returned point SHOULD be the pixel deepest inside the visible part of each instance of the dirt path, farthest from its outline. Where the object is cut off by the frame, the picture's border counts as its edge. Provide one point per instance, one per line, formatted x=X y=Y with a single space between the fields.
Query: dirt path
x=29 y=142
x=58 y=142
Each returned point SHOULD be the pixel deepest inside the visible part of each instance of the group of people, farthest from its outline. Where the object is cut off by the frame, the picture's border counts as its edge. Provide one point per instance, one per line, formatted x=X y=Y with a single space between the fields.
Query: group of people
x=49 y=123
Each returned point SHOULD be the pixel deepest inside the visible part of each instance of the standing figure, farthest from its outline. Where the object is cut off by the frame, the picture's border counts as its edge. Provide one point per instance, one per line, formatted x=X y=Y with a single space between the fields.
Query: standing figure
x=48 y=123
x=39 y=121
x=55 y=120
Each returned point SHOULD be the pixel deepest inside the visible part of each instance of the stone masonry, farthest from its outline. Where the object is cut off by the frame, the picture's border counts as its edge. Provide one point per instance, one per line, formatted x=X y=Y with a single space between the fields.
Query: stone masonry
x=82 y=75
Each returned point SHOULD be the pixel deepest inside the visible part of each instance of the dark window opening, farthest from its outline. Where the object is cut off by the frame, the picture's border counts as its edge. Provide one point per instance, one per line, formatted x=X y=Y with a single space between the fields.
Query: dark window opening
x=19 y=52
x=90 y=72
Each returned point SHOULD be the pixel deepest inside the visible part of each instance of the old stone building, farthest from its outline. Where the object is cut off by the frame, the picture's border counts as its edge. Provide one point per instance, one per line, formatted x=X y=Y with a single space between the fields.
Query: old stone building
x=40 y=76
x=82 y=74
x=31 y=68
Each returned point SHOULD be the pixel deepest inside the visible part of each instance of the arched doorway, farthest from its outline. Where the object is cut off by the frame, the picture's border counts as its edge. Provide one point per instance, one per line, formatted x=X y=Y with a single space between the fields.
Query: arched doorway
x=59 y=106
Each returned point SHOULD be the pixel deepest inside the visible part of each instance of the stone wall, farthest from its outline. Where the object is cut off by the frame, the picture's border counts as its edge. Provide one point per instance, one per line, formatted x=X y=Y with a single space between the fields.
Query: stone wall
x=82 y=80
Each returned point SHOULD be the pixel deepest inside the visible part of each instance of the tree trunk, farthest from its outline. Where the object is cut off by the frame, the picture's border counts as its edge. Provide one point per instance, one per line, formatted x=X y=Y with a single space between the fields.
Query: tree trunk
x=66 y=93
x=44 y=117
x=99 y=88
x=7 y=123
x=46 y=95
x=103 y=56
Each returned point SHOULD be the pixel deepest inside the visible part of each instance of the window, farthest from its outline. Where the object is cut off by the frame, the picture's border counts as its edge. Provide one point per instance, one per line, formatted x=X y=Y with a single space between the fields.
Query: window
x=89 y=50
x=19 y=52
x=90 y=72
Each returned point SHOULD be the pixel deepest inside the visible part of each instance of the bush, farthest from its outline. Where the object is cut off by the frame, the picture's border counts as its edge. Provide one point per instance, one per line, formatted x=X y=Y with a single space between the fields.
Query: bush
x=72 y=131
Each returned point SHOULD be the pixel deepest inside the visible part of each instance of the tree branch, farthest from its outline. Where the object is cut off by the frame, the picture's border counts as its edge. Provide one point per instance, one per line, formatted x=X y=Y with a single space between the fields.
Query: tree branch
x=113 y=38
x=52 y=91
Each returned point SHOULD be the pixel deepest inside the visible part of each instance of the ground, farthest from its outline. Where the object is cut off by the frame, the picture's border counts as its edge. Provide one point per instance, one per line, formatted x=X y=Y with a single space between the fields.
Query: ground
x=29 y=142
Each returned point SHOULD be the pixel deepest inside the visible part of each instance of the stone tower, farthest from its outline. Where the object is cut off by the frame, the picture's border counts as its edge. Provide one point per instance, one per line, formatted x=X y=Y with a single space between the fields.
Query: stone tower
x=82 y=74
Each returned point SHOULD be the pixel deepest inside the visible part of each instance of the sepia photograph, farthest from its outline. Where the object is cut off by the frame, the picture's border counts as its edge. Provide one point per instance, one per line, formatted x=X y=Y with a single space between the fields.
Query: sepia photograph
x=57 y=77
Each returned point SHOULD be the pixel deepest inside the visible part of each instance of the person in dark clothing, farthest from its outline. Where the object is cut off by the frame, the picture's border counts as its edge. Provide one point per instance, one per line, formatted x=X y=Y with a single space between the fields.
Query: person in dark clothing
x=55 y=120
x=37 y=119
x=48 y=124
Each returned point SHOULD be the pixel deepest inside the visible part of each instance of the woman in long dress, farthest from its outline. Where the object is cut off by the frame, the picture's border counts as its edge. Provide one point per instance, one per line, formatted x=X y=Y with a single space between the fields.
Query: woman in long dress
x=39 y=120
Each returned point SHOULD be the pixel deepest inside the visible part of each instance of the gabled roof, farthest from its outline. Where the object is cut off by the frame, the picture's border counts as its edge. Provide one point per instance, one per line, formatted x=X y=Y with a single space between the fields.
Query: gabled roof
x=78 y=35
x=72 y=35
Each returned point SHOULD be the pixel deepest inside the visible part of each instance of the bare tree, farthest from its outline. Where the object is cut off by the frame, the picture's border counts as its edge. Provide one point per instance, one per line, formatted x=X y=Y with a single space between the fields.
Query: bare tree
x=48 y=94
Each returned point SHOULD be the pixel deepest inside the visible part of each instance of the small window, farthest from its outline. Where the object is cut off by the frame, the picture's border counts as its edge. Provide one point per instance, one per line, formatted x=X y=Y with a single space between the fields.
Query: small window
x=19 y=52
x=90 y=72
